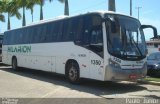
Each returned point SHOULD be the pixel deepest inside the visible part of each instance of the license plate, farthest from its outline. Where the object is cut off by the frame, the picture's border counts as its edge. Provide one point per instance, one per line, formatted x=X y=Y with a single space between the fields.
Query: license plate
x=132 y=76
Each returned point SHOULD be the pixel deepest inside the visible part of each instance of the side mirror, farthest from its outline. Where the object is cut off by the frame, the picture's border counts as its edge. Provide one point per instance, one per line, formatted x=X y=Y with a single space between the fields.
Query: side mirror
x=152 y=27
x=155 y=36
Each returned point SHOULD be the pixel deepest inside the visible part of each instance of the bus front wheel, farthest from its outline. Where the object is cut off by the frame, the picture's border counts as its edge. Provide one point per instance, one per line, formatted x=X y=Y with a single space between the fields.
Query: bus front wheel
x=73 y=72
x=14 y=64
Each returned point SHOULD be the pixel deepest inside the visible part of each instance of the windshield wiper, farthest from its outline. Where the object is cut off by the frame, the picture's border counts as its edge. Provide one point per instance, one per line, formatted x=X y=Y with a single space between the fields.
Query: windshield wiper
x=136 y=46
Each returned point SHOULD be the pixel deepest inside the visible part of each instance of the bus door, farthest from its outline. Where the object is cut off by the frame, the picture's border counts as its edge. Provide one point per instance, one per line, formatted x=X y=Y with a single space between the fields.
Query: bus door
x=96 y=52
x=93 y=42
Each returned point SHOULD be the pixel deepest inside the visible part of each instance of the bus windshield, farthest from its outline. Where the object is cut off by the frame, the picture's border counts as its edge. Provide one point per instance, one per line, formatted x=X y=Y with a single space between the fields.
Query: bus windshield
x=125 y=38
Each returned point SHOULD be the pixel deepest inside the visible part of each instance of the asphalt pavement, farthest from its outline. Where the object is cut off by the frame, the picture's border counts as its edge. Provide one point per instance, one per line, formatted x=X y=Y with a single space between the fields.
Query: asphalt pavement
x=33 y=86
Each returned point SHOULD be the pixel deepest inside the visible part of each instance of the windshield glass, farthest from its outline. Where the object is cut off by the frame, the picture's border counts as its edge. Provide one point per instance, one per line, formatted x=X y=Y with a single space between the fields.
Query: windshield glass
x=125 y=39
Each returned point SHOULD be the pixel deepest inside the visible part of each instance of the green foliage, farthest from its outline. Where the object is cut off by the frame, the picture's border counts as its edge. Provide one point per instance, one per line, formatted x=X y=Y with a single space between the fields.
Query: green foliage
x=2 y=18
x=152 y=79
x=11 y=7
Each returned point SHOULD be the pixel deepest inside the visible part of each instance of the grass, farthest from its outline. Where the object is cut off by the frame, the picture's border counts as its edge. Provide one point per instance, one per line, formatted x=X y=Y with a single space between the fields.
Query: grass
x=152 y=79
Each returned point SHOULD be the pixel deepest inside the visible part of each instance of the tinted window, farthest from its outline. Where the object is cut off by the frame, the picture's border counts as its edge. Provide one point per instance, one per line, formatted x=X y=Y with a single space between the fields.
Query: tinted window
x=33 y=35
x=91 y=24
x=58 y=30
x=43 y=33
x=79 y=30
x=87 y=29
x=18 y=36
x=5 y=39
x=50 y=34
x=25 y=36
x=96 y=36
x=72 y=29
x=92 y=34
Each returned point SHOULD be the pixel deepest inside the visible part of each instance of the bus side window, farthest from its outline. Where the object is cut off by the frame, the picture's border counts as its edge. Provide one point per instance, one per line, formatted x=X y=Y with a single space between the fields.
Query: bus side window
x=29 y=34
x=96 y=36
x=25 y=36
x=51 y=34
x=12 y=37
x=96 y=40
x=32 y=34
x=86 y=30
x=20 y=35
x=6 y=38
x=42 y=33
x=58 y=31
x=67 y=30
x=79 y=34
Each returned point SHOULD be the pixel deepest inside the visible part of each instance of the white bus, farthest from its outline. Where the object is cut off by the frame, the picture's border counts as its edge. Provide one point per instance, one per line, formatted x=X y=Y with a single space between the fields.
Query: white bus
x=1 y=40
x=100 y=45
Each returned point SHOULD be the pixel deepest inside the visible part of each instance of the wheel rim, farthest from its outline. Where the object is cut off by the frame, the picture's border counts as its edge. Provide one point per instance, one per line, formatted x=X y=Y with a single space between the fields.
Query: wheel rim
x=73 y=74
x=14 y=64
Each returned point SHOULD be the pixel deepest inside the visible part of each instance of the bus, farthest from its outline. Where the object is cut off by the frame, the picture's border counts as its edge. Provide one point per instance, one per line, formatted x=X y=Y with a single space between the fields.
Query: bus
x=1 y=40
x=102 y=45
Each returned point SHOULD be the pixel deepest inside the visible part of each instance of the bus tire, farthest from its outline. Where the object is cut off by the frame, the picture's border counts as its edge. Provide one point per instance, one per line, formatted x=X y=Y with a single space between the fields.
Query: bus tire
x=14 y=64
x=72 y=72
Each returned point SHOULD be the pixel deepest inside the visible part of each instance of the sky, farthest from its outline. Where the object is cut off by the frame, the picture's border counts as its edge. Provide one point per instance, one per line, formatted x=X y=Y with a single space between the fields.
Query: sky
x=149 y=12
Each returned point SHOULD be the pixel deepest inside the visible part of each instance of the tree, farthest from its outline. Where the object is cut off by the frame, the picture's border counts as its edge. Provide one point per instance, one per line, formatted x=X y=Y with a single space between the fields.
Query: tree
x=2 y=18
x=10 y=7
x=30 y=4
x=27 y=4
x=22 y=4
x=66 y=7
x=41 y=9
x=41 y=3
x=111 y=5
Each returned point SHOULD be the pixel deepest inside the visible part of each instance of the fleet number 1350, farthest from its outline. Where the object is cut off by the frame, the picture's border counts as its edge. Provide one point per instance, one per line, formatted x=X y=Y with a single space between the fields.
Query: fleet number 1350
x=96 y=62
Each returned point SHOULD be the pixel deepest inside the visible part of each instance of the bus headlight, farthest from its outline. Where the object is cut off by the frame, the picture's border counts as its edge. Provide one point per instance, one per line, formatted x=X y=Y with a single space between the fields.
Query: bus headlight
x=114 y=64
x=157 y=66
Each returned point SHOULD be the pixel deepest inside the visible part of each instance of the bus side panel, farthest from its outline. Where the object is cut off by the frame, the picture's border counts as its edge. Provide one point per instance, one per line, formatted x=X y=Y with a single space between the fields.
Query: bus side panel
x=6 y=56
x=84 y=58
x=52 y=57
x=36 y=62
x=41 y=57
x=68 y=50
x=96 y=66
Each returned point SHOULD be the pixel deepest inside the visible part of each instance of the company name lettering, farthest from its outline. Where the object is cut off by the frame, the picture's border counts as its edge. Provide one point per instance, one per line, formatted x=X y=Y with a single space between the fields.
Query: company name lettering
x=20 y=49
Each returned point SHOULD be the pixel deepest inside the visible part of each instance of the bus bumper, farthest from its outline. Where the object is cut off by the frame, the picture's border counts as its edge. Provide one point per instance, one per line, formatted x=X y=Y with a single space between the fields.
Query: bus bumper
x=118 y=74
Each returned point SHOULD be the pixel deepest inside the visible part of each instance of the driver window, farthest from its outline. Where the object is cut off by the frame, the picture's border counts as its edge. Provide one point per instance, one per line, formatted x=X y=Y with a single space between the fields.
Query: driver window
x=92 y=34
x=96 y=36
x=116 y=35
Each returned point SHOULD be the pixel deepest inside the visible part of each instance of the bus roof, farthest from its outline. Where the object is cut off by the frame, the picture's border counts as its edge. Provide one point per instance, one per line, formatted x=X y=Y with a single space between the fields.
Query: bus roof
x=64 y=17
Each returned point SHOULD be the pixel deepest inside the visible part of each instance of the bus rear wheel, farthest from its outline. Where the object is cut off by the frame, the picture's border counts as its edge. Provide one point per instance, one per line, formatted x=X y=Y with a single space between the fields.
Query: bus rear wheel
x=73 y=73
x=14 y=64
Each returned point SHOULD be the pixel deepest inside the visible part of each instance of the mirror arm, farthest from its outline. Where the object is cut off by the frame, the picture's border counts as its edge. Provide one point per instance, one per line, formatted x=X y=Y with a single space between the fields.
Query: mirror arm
x=150 y=26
